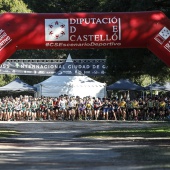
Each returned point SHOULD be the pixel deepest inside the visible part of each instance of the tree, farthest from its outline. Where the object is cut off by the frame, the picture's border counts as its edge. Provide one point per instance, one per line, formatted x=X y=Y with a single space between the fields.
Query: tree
x=134 y=63
x=11 y=6
x=61 y=6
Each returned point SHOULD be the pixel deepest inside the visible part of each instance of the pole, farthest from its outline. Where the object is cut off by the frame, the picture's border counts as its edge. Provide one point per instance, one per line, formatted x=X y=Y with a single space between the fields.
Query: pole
x=151 y=86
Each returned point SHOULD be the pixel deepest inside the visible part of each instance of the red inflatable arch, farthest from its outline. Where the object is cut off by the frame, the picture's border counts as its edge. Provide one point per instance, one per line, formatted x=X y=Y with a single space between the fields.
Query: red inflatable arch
x=85 y=30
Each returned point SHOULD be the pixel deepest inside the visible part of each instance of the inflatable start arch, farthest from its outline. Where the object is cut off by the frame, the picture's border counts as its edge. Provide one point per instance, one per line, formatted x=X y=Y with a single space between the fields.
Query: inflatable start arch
x=85 y=30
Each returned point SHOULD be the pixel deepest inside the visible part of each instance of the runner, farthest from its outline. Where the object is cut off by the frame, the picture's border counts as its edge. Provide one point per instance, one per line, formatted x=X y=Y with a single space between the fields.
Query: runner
x=129 y=109
x=114 y=109
x=97 y=105
x=43 y=109
x=4 y=107
x=150 y=112
x=105 y=106
x=33 y=110
x=122 y=109
x=62 y=108
x=162 y=105
x=71 y=109
x=55 y=108
x=18 y=108
x=89 y=107
x=135 y=106
x=81 y=109
x=49 y=108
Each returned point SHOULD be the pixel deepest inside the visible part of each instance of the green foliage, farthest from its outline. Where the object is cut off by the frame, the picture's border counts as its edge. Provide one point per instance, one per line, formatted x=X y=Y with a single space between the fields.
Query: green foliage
x=13 y=6
x=134 y=63
x=7 y=133
x=61 y=6
x=5 y=79
x=163 y=5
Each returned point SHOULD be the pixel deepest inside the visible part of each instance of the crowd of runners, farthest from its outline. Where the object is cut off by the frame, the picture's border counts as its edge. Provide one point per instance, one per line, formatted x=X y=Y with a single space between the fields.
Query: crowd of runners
x=86 y=108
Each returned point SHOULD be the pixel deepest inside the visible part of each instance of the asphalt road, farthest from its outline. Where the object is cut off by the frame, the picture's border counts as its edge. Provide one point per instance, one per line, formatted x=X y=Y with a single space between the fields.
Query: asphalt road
x=56 y=145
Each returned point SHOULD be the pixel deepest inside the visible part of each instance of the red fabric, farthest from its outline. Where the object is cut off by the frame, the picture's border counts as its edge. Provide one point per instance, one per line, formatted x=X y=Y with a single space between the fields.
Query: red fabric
x=84 y=31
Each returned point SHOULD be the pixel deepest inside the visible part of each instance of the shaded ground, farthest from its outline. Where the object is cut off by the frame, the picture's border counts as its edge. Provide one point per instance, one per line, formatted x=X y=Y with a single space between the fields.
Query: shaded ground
x=56 y=145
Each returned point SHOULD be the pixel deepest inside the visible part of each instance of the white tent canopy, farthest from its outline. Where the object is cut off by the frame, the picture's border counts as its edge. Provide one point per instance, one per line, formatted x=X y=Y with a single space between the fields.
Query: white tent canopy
x=124 y=84
x=159 y=87
x=72 y=85
x=167 y=86
x=17 y=85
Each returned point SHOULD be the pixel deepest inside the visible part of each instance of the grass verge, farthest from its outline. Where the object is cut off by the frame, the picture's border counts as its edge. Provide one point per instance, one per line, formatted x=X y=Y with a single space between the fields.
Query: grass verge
x=160 y=130
x=7 y=133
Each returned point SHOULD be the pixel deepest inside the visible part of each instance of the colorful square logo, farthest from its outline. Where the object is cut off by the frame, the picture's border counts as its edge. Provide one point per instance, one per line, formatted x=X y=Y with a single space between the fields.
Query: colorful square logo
x=56 y=30
x=163 y=35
